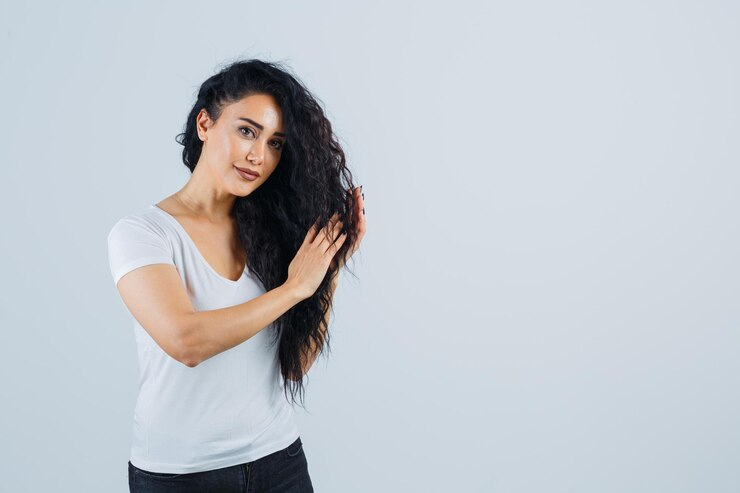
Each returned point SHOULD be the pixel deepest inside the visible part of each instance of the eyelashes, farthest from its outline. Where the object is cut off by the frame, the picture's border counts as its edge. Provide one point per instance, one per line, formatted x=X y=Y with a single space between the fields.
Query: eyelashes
x=279 y=144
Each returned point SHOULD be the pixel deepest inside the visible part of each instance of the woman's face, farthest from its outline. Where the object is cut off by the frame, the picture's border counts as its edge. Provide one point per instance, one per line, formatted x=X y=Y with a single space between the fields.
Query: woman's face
x=249 y=135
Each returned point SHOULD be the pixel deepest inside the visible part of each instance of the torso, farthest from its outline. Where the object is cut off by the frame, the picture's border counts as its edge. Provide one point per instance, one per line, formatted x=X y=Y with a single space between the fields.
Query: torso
x=218 y=243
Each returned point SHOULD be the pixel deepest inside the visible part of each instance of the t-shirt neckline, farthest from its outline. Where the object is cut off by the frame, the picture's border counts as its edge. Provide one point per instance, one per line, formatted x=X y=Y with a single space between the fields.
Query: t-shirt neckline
x=192 y=244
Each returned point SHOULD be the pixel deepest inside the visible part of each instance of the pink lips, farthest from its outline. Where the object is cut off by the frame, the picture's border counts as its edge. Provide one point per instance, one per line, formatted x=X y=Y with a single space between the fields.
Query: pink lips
x=246 y=173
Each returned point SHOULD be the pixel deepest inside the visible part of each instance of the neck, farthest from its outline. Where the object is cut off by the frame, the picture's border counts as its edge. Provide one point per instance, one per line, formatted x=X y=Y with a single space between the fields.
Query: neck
x=202 y=197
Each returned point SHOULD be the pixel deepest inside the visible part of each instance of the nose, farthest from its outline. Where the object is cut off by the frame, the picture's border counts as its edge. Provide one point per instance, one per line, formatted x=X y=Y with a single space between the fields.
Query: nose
x=257 y=152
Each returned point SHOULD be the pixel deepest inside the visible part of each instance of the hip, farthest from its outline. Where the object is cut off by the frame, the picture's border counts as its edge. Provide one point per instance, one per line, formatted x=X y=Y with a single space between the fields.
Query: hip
x=283 y=470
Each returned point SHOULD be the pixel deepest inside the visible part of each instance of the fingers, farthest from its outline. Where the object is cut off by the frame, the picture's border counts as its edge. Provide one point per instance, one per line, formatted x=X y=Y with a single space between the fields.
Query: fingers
x=359 y=215
x=311 y=234
x=317 y=237
x=360 y=212
x=334 y=247
x=313 y=231
x=359 y=202
x=331 y=233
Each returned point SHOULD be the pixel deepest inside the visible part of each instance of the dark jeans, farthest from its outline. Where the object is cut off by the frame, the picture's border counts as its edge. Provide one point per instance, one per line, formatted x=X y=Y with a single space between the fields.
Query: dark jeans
x=284 y=471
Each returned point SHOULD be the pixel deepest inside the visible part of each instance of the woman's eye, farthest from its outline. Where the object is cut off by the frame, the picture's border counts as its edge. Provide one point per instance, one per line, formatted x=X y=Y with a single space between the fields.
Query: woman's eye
x=276 y=144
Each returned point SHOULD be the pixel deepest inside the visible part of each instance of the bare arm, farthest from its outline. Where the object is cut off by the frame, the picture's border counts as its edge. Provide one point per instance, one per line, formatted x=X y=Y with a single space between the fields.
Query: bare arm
x=210 y=332
x=156 y=297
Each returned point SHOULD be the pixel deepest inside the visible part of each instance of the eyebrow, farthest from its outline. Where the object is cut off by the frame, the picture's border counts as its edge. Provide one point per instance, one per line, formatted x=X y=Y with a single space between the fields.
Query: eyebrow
x=279 y=134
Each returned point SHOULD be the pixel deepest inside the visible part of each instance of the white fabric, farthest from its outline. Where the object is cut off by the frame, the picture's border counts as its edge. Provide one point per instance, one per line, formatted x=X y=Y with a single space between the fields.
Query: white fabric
x=227 y=410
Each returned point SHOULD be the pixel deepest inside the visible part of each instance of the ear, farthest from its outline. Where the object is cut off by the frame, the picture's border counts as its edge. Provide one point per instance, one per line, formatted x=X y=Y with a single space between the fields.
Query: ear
x=202 y=124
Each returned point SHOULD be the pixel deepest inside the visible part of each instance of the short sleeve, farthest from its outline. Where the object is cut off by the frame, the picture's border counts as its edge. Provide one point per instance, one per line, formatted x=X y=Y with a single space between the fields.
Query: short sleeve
x=134 y=243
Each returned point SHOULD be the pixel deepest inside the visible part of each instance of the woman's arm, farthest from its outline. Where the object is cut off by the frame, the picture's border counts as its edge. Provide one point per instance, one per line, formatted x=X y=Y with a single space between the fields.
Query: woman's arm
x=156 y=296
x=235 y=324
x=210 y=332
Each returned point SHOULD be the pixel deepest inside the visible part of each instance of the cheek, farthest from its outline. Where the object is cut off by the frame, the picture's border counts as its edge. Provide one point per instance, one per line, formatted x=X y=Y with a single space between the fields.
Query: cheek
x=220 y=148
x=273 y=167
x=239 y=148
x=229 y=146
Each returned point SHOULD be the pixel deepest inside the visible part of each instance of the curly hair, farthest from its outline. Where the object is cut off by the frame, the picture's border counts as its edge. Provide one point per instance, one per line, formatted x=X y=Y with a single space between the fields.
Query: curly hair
x=310 y=184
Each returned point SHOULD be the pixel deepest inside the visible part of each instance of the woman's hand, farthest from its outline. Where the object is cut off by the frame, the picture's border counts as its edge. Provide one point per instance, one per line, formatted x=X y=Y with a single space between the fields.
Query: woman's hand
x=359 y=214
x=310 y=264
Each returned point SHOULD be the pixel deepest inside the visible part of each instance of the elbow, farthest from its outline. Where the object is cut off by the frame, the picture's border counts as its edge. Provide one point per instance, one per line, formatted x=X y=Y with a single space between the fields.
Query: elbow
x=187 y=347
x=187 y=356
x=188 y=360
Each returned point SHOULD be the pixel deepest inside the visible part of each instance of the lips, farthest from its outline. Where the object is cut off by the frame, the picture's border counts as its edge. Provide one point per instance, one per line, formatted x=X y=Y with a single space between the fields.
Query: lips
x=248 y=171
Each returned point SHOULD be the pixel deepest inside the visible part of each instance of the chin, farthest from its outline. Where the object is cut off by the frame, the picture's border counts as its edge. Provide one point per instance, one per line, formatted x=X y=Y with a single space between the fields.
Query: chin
x=245 y=189
x=241 y=192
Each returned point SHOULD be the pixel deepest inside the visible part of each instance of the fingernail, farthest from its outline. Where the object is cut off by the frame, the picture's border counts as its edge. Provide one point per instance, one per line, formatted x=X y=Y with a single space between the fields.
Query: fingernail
x=363 y=211
x=360 y=188
x=363 y=195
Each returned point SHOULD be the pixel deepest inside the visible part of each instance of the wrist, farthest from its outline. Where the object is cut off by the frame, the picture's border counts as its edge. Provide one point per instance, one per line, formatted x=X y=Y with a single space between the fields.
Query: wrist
x=296 y=293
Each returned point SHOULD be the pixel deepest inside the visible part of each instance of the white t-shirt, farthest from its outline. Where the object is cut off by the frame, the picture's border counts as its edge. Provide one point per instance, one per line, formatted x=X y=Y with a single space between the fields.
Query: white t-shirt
x=230 y=408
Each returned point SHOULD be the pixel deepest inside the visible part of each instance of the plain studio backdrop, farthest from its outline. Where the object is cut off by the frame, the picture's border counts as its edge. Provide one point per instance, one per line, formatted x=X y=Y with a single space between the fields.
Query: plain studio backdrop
x=547 y=294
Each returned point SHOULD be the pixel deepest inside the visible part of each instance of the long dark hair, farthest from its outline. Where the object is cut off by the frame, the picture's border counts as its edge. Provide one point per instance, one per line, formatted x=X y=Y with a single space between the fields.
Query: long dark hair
x=310 y=184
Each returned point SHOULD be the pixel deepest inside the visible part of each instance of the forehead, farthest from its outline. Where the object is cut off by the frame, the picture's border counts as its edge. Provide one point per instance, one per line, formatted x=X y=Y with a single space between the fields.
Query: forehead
x=261 y=108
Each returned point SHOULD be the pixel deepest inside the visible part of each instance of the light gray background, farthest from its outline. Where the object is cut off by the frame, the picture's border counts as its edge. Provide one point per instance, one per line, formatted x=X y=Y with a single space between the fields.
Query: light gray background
x=548 y=286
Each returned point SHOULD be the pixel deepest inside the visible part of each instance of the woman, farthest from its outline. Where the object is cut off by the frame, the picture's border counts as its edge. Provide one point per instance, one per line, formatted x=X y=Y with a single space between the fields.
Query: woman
x=230 y=283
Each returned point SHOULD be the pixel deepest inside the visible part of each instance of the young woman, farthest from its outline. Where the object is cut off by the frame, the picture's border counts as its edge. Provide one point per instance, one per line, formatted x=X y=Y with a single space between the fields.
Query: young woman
x=230 y=282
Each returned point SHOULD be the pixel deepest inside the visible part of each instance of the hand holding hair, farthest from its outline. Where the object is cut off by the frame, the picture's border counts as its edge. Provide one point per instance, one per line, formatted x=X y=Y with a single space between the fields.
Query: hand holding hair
x=310 y=264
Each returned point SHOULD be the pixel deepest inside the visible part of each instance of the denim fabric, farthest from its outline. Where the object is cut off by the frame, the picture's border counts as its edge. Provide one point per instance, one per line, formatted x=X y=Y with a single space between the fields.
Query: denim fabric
x=284 y=471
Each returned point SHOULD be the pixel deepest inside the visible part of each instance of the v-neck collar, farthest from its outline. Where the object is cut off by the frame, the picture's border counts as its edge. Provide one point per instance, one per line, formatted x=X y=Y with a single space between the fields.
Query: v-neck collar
x=189 y=239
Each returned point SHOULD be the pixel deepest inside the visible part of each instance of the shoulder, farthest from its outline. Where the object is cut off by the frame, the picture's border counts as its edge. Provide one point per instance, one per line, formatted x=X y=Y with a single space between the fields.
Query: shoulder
x=136 y=240
x=143 y=227
x=147 y=219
